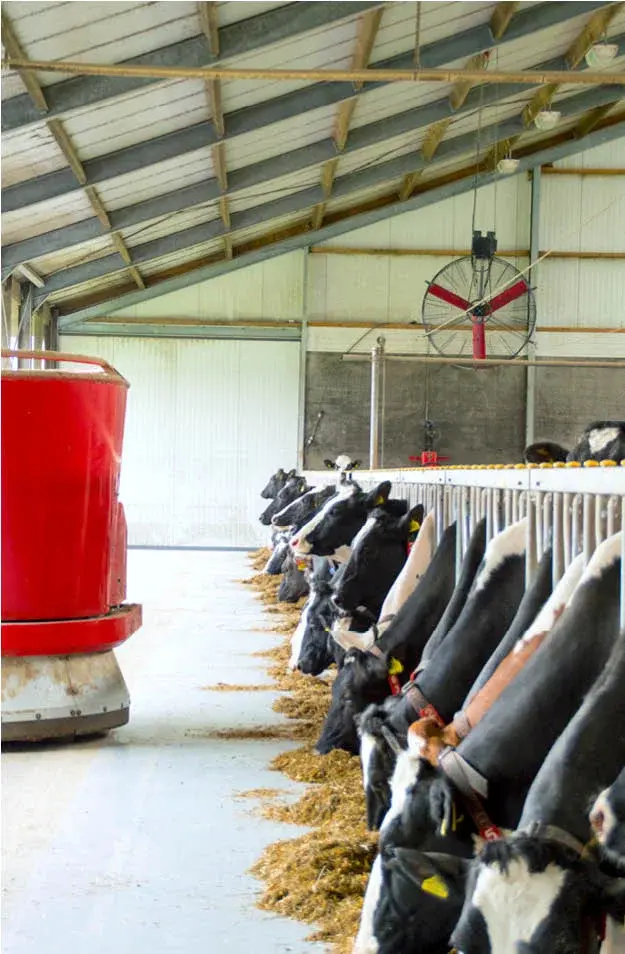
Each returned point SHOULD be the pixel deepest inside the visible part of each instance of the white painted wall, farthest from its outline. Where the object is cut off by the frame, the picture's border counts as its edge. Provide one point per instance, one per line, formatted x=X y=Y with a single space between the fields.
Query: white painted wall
x=207 y=423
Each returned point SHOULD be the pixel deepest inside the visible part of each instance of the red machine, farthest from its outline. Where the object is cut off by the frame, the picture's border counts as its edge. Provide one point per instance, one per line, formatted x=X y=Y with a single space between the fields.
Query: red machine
x=64 y=549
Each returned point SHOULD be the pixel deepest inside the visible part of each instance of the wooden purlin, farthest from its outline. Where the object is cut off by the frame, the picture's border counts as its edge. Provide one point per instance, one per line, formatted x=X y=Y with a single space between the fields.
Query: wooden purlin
x=15 y=51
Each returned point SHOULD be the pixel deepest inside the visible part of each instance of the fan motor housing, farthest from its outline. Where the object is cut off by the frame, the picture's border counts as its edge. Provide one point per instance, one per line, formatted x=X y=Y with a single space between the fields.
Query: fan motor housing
x=483 y=245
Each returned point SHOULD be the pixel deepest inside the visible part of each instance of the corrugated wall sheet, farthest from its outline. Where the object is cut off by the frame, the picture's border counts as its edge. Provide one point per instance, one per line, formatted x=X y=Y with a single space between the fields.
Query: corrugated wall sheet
x=207 y=423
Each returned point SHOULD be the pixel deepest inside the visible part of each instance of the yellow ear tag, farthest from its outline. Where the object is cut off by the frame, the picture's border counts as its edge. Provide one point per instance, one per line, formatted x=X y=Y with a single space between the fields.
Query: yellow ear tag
x=414 y=526
x=379 y=501
x=436 y=886
x=394 y=667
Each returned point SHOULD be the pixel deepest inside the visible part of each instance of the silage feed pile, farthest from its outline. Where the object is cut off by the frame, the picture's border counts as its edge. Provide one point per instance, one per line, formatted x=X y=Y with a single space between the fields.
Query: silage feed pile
x=319 y=877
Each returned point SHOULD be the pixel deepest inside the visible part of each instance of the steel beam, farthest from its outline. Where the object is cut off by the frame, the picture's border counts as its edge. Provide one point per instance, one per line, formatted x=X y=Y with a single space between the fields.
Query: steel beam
x=530 y=381
x=130 y=330
x=252 y=175
x=293 y=104
x=307 y=198
x=347 y=224
x=246 y=36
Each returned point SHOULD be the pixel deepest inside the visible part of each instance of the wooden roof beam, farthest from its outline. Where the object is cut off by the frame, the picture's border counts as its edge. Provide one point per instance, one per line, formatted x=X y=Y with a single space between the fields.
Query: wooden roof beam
x=462 y=89
x=97 y=206
x=328 y=173
x=68 y=149
x=590 y=120
x=224 y=211
x=409 y=184
x=218 y=152
x=210 y=25
x=500 y=20
x=15 y=51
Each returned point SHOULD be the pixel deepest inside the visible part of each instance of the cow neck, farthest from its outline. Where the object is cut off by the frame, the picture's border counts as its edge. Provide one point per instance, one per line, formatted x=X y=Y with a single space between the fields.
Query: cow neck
x=514 y=737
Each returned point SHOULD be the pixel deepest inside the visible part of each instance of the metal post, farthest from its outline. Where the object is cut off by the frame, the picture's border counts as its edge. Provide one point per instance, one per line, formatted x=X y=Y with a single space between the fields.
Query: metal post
x=303 y=355
x=530 y=381
x=377 y=357
x=25 y=336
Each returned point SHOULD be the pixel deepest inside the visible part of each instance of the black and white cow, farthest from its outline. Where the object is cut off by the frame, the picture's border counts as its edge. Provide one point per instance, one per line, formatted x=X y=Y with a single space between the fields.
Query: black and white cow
x=335 y=525
x=293 y=488
x=312 y=646
x=601 y=440
x=608 y=820
x=536 y=890
x=498 y=760
x=379 y=551
x=299 y=512
x=363 y=679
x=294 y=584
x=275 y=483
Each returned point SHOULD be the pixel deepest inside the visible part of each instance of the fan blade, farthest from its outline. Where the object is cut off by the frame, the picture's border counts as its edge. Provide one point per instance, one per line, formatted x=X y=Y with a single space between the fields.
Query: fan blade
x=449 y=297
x=508 y=295
x=479 y=340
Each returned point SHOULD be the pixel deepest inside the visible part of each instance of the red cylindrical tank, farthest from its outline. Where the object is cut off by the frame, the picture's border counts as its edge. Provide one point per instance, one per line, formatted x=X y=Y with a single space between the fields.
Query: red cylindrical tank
x=62 y=434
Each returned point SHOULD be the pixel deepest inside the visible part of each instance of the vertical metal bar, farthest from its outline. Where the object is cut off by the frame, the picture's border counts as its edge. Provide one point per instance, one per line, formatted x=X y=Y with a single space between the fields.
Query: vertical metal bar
x=612 y=518
x=623 y=562
x=558 y=544
x=439 y=512
x=508 y=503
x=303 y=356
x=566 y=529
x=488 y=507
x=530 y=381
x=576 y=526
x=540 y=523
x=600 y=514
x=25 y=328
x=588 y=530
x=530 y=539
x=377 y=357
x=547 y=509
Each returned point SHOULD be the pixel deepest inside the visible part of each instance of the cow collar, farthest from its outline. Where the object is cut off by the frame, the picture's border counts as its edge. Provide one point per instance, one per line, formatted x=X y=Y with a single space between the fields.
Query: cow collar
x=473 y=787
x=421 y=706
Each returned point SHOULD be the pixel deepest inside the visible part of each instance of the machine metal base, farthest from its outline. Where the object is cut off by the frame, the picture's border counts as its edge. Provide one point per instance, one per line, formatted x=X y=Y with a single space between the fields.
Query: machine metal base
x=51 y=697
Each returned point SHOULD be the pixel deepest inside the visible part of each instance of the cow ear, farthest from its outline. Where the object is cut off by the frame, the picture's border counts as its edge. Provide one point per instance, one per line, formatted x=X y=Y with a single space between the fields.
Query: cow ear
x=291 y=473
x=379 y=496
x=356 y=464
x=280 y=473
x=414 y=519
x=329 y=464
x=428 y=875
x=545 y=452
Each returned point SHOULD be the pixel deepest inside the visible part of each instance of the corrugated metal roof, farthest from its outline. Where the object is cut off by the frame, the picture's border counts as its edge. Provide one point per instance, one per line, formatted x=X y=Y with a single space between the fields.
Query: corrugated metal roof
x=157 y=140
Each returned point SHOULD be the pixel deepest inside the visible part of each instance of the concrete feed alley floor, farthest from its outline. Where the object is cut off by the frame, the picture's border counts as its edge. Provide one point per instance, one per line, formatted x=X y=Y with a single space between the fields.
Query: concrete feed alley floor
x=134 y=843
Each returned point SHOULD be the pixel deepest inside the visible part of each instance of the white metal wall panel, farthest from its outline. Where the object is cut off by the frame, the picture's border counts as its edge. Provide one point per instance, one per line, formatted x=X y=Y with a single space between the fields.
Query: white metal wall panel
x=267 y=290
x=207 y=422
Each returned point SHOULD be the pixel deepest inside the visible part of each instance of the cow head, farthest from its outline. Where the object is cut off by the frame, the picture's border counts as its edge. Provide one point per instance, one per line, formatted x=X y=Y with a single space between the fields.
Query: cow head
x=545 y=452
x=338 y=522
x=379 y=551
x=534 y=896
x=293 y=488
x=362 y=680
x=607 y=819
x=280 y=549
x=275 y=483
x=380 y=744
x=299 y=512
x=294 y=582
x=343 y=463
x=316 y=646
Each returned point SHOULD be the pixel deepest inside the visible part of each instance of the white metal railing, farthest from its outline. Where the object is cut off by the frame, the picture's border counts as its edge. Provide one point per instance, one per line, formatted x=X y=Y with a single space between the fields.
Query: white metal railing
x=571 y=507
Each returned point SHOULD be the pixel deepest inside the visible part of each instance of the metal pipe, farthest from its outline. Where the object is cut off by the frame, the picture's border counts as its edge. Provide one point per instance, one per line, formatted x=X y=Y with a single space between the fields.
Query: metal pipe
x=493 y=362
x=377 y=357
x=528 y=77
x=303 y=353
x=530 y=381
x=557 y=538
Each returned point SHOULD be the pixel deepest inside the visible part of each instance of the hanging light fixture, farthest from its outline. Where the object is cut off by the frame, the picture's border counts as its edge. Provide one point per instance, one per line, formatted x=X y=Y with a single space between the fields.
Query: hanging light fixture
x=507 y=165
x=601 y=54
x=547 y=118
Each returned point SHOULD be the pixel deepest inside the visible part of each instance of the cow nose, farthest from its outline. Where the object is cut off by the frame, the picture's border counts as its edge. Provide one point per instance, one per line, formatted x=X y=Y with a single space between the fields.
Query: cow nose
x=597 y=820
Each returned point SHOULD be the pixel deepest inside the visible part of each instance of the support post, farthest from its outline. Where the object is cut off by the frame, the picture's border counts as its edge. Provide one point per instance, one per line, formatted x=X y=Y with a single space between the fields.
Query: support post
x=377 y=359
x=303 y=355
x=530 y=379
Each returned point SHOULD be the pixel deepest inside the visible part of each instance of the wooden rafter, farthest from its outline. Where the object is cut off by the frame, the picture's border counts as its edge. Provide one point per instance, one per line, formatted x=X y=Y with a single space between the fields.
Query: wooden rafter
x=462 y=89
x=499 y=151
x=500 y=20
x=433 y=138
x=219 y=164
x=97 y=206
x=365 y=41
x=120 y=246
x=409 y=184
x=224 y=211
x=136 y=276
x=210 y=25
x=591 y=120
x=213 y=94
x=228 y=250
x=15 y=51
x=68 y=149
